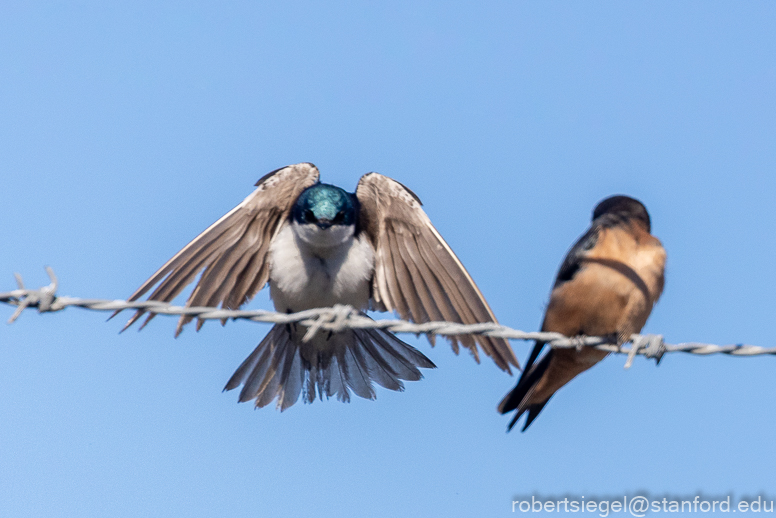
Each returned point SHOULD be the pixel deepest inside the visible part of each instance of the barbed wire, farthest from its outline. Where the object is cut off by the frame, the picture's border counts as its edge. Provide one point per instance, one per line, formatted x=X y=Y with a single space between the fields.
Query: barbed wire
x=341 y=317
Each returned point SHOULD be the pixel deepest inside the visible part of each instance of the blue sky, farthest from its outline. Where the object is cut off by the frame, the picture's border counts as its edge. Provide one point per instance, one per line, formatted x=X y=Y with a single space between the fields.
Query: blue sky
x=126 y=128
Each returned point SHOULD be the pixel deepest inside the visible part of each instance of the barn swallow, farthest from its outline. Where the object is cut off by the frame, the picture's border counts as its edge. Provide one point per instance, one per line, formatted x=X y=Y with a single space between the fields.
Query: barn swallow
x=607 y=285
x=317 y=245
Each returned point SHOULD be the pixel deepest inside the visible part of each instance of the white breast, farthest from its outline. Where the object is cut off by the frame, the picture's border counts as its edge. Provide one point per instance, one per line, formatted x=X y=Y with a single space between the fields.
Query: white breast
x=306 y=273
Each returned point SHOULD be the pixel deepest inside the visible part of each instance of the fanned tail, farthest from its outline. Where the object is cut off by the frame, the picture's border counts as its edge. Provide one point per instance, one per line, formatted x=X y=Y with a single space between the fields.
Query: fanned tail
x=332 y=364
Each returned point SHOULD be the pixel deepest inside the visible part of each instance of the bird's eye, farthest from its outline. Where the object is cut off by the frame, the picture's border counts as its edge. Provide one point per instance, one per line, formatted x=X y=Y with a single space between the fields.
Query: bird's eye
x=339 y=217
x=309 y=217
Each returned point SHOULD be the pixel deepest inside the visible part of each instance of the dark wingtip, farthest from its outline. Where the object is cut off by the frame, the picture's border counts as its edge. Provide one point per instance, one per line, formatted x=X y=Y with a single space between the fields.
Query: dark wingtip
x=268 y=176
x=412 y=193
x=507 y=405
x=533 y=413
x=531 y=375
x=514 y=420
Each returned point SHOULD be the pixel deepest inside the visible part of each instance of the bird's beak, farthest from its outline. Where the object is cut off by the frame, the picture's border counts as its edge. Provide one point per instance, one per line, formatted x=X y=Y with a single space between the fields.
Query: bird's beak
x=323 y=224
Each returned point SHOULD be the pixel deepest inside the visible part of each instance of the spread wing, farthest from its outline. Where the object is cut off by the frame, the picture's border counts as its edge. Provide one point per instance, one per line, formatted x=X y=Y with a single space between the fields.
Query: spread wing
x=233 y=250
x=416 y=272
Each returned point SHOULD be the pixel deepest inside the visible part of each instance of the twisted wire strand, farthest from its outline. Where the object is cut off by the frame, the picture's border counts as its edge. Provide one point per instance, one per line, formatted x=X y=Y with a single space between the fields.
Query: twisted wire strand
x=342 y=317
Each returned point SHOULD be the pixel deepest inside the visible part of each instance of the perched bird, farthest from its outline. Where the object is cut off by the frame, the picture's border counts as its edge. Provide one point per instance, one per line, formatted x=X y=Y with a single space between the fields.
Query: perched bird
x=607 y=285
x=318 y=245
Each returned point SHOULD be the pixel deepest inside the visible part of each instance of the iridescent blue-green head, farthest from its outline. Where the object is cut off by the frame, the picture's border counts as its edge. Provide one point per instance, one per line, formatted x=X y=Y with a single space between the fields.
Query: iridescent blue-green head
x=325 y=205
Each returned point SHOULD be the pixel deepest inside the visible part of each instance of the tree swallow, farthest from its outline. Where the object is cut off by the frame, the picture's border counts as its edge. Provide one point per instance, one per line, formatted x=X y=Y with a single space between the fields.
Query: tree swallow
x=607 y=285
x=317 y=245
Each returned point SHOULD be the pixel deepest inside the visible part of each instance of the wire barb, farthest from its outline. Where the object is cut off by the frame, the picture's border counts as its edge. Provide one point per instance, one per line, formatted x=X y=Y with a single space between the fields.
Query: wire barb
x=340 y=317
x=42 y=298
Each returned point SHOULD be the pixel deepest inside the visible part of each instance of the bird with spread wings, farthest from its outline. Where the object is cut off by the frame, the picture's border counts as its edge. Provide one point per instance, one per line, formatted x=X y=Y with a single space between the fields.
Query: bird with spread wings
x=317 y=245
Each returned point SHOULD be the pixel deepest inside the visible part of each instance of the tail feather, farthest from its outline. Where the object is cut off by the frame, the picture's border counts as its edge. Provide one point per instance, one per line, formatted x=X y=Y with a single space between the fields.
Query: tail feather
x=293 y=378
x=356 y=375
x=335 y=381
x=540 y=382
x=254 y=369
x=311 y=380
x=282 y=367
x=402 y=359
x=247 y=372
x=519 y=398
x=380 y=371
x=271 y=385
x=531 y=374
x=533 y=413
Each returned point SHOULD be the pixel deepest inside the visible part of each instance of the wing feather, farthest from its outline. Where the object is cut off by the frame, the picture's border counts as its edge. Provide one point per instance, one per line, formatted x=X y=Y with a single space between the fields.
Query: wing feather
x=449 y=286
x=425 y=282
x=393 y=277
x=233 y=250
x=416 y=273
x=406 y=280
